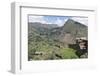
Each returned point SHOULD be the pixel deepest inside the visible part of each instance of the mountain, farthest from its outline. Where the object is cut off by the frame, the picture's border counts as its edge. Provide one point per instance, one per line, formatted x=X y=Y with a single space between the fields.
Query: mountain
x=40 y=27
x=75 y=28
x=69 y=32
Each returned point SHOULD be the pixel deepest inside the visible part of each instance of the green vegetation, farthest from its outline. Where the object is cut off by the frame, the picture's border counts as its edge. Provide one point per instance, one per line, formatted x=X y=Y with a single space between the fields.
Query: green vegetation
x=49 y=48
x=68 y=53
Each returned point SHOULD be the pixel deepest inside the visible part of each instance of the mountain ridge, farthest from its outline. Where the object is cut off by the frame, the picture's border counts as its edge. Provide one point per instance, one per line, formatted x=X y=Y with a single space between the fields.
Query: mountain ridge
x=74 y=28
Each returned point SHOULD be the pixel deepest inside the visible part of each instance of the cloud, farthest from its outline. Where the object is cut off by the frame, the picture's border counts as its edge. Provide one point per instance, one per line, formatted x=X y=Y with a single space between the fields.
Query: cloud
x=81 y=20
x=60 y=22
x=37 y=19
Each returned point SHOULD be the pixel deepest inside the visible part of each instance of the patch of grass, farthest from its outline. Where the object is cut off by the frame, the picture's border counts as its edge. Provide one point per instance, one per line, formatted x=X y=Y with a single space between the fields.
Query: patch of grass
x=68 y=53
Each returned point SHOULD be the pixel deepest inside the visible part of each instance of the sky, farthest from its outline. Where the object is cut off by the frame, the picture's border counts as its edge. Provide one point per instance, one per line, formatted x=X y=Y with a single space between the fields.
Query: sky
x=59 y=20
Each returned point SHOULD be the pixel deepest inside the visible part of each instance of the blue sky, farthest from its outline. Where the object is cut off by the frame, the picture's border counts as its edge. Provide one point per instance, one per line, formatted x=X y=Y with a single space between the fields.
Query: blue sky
x=59 y=20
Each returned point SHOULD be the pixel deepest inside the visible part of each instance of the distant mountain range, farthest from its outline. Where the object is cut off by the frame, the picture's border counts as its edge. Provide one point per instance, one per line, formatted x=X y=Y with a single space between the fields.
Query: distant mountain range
x=41 y=27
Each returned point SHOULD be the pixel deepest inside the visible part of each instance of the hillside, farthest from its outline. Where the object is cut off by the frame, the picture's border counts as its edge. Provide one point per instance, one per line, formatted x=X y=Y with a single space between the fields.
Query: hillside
x=75 y=28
